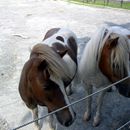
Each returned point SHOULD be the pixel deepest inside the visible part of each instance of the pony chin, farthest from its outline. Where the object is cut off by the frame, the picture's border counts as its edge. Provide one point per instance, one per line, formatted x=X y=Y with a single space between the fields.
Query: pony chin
x=124 y=89
x=64 y=118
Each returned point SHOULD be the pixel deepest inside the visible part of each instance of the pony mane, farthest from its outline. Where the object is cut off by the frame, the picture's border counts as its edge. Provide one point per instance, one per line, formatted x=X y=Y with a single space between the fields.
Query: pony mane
x=120 y=54
x=56 y=65
x=120 y=57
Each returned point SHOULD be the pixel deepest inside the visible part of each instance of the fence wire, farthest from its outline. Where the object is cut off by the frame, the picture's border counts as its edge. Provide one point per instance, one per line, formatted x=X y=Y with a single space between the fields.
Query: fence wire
x=124 y=125
x=75 y=102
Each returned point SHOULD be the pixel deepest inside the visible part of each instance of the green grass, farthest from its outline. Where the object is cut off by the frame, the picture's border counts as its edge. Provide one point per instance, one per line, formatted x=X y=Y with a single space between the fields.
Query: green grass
x=126 y=5
x=114 y=4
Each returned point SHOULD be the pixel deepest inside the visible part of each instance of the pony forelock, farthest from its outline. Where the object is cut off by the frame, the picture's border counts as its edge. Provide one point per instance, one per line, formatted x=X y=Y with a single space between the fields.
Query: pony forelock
x=120 y=53
x=56 y=65
x=120 y=57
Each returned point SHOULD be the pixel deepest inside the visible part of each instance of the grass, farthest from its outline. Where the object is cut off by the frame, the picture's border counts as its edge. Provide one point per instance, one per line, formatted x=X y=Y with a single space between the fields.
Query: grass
x=114 y=4
x=126 y=5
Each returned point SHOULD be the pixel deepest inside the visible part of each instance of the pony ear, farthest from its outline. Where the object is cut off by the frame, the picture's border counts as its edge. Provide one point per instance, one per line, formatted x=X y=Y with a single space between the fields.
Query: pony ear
x=113 y=36
x=62 y=53
x=43 y=68
x=113 y=40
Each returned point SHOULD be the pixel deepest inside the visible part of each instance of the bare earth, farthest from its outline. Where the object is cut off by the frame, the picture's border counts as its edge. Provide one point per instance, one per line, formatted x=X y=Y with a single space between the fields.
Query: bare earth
x=23 y=23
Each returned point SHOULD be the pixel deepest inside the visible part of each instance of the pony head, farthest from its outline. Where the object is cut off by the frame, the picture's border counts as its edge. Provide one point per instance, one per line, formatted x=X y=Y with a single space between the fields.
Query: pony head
x=114 y=61
x=42 y=82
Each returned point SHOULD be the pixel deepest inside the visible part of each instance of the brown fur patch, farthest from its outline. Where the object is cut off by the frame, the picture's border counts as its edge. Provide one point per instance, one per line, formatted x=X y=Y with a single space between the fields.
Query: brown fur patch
x=72 y=45
x=51 y=32
x=71 y=48
x=60 y=38
x=105 y=62
x=60 y=49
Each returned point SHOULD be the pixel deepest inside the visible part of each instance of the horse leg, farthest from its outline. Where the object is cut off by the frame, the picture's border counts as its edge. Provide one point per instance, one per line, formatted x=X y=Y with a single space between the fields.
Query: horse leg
x=74 y=84
x=87 y=114
x=100 y=97
x=52 y=122
x=35 y=116
x=69 y=90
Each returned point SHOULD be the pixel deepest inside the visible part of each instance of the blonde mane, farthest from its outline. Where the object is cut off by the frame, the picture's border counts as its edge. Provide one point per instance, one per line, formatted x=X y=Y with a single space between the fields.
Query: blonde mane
x=93 y=50
x=120 y=57
x=120 y=53
x=56 y=65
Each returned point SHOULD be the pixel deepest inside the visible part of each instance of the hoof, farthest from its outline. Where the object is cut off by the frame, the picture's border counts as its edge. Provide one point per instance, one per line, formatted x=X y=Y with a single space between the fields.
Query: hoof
x=87 y=116
x=37 y=127
x=96 y=121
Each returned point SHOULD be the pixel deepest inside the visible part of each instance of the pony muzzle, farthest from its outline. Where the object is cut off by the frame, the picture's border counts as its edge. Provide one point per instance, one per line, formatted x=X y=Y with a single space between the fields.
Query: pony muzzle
x=65 y=118
x=124 y=89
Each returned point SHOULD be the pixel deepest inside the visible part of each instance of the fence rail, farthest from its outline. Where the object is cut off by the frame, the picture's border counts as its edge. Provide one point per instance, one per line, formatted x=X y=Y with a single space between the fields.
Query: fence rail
x=75 y=102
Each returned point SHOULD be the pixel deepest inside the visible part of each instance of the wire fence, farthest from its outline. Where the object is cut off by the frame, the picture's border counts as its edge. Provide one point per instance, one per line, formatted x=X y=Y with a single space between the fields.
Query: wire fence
x=127 y=123
x=75 y=102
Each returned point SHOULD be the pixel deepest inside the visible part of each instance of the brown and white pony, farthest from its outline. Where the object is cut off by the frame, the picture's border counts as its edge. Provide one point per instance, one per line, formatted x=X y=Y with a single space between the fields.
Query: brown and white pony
x=50 y=69
x=105 y=60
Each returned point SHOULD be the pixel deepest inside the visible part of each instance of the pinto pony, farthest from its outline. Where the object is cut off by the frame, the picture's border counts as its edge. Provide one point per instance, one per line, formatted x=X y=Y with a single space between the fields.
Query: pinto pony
x=50 y=69
x=105 y=60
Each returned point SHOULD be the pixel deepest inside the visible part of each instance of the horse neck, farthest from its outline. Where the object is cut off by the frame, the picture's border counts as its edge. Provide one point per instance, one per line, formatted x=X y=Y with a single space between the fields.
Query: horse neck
x=120 y=58
x=93 y=49
x=114 y=61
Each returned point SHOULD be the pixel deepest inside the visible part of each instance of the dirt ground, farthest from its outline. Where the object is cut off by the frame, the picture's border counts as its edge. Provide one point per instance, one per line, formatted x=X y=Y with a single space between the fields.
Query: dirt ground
x=23 y=23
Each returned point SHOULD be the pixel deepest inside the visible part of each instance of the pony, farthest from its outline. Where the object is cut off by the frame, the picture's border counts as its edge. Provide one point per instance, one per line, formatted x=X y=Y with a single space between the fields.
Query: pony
x=105 y=60
x=50 y=69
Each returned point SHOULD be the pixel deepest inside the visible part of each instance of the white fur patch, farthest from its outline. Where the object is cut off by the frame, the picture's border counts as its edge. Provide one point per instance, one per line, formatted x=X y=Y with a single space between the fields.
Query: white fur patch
x=65 y=33
x=71 y=65
x=120 y=30
x=113 y=36
x=62 y=88
x=88 y=68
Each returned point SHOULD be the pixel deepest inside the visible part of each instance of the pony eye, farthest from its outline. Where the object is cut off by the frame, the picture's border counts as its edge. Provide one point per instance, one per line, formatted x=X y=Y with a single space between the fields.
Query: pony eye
x=49 y=99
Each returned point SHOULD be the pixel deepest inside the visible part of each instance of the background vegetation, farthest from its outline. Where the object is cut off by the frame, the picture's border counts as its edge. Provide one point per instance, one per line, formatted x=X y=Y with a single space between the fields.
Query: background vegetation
x=125 y=4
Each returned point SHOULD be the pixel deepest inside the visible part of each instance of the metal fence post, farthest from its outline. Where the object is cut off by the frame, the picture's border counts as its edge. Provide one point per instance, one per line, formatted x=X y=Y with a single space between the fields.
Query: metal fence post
x=121 y=3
